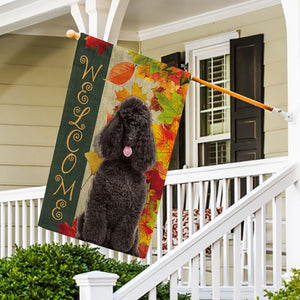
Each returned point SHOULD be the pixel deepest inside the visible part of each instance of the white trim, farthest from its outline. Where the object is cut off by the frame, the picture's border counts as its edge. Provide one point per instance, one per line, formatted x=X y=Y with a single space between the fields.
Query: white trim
x=211 y=42
x=114 y=20
x=213 y=138
x=206 y=18
x=202 y=48
x=13 y=19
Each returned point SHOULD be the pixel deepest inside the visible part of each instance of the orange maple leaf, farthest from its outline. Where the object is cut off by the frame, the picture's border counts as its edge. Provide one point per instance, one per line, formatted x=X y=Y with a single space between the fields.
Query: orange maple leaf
x=121 y=73
x=122 y=94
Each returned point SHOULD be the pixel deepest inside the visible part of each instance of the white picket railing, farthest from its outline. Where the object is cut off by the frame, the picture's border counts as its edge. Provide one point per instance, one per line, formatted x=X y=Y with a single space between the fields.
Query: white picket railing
x=250 y=206
x=187 y=191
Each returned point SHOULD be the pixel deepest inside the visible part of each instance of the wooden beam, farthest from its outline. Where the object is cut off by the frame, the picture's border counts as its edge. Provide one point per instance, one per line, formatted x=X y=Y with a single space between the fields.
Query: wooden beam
x=80 y=17
x=114 y=20
x=27 y=13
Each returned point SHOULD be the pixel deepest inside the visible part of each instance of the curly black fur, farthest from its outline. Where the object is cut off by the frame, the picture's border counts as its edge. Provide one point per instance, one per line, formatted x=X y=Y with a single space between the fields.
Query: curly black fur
x=119 y=189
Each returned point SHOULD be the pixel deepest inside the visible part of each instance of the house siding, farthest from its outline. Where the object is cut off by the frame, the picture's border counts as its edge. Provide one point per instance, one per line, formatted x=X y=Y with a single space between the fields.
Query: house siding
x=35 y=72
x=34 y=75
x=271 y=23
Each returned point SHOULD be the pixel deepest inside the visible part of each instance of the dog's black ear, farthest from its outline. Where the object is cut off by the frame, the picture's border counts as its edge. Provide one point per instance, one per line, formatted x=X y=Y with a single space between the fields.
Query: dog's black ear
x=109 y=140
x=145 y=152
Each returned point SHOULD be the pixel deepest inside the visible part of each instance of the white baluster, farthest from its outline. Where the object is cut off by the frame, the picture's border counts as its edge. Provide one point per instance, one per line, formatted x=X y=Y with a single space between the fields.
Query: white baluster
x=202 y=200
x=215 y=260
x=32 y=223
x=24 y=224
x=169 y=216
x=179 y=228
x=249 y=229
x=173 y=286
x=277 y=241
x=159 y=231
x=9 y=229
x=40 y=230
x=258 y=288
x=2 y=224
x=237 y=268
x=152 y=294
x=17 y=223
x=194 y=281
x=225 y=237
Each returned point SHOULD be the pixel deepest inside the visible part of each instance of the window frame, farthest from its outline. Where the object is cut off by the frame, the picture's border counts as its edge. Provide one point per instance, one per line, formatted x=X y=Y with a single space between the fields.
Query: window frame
x=195 y=51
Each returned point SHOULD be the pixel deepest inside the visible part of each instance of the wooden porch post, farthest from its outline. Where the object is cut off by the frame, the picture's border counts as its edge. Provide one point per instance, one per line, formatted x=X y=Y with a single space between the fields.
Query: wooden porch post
x=292 y=17
x=96 y=285
x=100 y=18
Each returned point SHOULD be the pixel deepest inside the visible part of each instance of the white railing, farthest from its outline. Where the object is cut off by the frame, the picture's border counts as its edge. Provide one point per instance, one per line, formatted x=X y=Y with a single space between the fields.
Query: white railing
x=250 y=206
x=187 y=193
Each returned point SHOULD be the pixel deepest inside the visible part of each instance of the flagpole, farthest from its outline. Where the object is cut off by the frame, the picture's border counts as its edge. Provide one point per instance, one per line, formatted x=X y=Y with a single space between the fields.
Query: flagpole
x=286 y=115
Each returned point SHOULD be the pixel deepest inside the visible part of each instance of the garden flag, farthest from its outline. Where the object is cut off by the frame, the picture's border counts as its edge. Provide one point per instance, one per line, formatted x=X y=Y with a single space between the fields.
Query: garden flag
x=114 y=145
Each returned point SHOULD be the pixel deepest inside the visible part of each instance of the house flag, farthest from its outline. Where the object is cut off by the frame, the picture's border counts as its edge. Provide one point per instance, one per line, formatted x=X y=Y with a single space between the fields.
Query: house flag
x=115 y=141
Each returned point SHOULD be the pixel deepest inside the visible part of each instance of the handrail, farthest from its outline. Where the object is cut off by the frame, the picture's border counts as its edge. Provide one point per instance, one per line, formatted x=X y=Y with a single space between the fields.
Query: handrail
x=23 y=194
x=199 y=241
x=230 y=170
x=240 y=169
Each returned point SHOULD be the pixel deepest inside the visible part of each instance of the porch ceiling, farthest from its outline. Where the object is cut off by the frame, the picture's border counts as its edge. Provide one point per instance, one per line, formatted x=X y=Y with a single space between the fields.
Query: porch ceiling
x=143 y=19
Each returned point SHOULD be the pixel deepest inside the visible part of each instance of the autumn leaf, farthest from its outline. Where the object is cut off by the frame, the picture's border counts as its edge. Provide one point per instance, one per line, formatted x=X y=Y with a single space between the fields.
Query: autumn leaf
x=165 y=137
x=140 y=59
x=94 y=161
x=66 y=229
x=121 y=73
x=171 y=108
x=156 y=177
x=94 y=43
x=143 y=249
x=176 y=76
x=109 y=117
x=137 y=91
x=143 y=71
x=185 y=78
x=122 y=94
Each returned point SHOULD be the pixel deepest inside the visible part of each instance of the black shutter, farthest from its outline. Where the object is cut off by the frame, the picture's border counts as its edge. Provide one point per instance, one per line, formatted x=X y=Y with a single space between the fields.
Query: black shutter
x=178 y=155
x=246 y=78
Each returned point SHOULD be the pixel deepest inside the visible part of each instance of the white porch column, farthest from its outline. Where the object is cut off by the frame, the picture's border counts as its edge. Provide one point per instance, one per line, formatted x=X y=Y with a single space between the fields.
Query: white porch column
x=292 y=17
x=98 y=11
x=96 y=285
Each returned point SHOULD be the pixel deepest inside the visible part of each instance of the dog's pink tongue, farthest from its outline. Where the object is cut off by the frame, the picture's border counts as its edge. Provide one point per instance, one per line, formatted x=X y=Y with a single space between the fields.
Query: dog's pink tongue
x=127 y=151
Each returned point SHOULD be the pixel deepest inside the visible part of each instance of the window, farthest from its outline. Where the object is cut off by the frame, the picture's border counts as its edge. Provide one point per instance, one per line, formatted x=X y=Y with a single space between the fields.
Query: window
x=208 y=110
x=214 y=112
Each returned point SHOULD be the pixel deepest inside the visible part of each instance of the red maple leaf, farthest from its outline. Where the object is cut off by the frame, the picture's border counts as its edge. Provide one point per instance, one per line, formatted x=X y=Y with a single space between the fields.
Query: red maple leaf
x=143 y=249
x=66 y=229
x=176 y=77
x=94 y=43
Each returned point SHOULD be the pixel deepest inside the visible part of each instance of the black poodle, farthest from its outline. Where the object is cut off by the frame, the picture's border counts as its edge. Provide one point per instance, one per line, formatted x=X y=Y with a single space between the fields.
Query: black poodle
x=119 y=191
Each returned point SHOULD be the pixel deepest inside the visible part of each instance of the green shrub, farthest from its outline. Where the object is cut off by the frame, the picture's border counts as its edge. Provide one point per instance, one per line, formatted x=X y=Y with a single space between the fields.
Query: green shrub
x=46 y=272
x=290 y=291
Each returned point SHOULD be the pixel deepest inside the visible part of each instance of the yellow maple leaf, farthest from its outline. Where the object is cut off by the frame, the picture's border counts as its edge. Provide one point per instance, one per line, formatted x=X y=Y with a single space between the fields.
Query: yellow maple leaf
x=165 y=138
x=143 y=71
x=137 y=91
x=94 y=161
